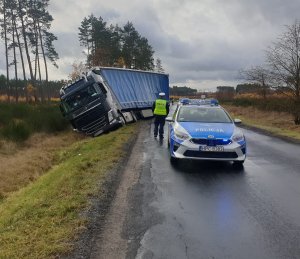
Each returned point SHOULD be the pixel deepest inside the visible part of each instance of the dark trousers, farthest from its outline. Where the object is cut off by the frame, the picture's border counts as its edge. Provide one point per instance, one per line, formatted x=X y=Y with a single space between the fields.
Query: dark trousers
x=159 y=123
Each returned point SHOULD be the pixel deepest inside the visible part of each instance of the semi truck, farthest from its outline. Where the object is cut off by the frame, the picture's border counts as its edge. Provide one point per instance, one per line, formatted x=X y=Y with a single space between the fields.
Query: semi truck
x=107 y=97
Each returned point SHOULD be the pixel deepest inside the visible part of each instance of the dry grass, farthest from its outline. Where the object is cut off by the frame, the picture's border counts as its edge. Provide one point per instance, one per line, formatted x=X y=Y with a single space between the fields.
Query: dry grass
x=43 y=219
x=279 y=123
x=21 y=164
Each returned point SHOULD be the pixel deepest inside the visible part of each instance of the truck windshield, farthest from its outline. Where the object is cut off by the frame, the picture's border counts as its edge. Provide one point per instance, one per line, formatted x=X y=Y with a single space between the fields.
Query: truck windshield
x=81 y=98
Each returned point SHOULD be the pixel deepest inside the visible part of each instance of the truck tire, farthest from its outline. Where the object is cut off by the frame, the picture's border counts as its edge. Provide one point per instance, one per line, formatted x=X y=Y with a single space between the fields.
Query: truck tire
x=122 y=119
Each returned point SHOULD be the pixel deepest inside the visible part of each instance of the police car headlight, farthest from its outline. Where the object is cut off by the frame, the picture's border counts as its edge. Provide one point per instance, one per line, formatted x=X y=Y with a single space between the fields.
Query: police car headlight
x=237 y=137
x=181 y=135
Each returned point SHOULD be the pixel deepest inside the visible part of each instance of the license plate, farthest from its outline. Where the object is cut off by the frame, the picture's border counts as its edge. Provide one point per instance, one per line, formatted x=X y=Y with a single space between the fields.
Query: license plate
x=208 y=148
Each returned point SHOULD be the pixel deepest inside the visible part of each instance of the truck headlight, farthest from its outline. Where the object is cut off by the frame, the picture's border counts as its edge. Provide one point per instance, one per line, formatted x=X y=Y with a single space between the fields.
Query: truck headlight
x=110 y=115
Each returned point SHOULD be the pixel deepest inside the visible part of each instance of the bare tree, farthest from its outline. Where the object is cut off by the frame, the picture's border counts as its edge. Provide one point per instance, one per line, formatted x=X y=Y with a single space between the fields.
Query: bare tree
x=260 y=76
x=78 y=70
x=284 y=60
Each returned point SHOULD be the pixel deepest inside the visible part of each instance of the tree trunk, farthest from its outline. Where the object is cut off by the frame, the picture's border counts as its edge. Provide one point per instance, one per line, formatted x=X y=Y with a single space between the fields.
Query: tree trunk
x=21 y=56
x=44 y=57
x=26 y=46
x=37 y=60
x=16 y=68
x=6 y=50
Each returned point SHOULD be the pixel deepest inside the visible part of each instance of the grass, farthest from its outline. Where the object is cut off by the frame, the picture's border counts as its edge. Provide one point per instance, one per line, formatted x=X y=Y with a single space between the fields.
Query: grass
x=278 y=123
x=43 y=219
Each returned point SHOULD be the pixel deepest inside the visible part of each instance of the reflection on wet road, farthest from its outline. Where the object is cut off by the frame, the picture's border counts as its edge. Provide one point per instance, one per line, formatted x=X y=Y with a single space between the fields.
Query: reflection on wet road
x=214 y=210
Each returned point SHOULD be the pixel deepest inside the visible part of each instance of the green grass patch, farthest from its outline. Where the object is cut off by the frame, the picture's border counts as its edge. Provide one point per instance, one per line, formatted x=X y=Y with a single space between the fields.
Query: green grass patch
x=43 y=219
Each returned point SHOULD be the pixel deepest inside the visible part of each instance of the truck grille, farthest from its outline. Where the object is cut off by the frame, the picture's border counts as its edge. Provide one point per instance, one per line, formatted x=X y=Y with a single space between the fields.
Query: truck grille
x=96 y=125
x=91 y=121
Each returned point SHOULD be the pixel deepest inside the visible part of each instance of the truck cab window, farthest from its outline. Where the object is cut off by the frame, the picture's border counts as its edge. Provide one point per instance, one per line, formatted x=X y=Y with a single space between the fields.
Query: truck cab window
x=103 y=90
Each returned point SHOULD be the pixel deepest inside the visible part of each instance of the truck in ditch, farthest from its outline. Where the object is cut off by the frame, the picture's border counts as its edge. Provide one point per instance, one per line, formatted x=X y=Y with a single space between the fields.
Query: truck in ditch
x=107 y=97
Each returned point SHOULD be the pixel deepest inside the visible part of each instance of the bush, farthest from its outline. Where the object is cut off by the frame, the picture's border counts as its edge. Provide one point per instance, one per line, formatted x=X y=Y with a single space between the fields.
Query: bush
x=47 y=119
x=18 y=121
x=55 y=123
x=20 y=110
x=16 y=131
x=269 y=104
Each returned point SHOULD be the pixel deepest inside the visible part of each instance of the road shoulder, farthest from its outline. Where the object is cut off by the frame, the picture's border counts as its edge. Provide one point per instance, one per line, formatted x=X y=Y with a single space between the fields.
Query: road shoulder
x=109 y=243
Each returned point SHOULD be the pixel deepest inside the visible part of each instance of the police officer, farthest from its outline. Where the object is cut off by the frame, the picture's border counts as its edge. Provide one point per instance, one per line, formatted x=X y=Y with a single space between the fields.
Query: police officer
x=160 y=110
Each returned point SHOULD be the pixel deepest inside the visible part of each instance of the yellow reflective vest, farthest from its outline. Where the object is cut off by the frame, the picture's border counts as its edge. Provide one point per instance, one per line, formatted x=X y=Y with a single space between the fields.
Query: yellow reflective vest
x=160 y=107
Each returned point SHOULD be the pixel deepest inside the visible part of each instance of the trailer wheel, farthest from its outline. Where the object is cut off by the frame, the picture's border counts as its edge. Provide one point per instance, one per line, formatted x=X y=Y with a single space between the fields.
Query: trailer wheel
x=134 y=118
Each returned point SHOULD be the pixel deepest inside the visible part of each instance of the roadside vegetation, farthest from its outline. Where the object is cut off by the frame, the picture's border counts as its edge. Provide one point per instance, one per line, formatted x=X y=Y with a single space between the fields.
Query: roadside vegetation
x=22 y=164
x=282 y=69
x=19 y=121
x=278 y=123
x=43 y=219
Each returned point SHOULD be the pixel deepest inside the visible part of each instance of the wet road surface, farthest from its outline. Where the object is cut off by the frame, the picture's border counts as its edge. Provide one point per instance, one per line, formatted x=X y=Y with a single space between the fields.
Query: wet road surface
x=201 y=209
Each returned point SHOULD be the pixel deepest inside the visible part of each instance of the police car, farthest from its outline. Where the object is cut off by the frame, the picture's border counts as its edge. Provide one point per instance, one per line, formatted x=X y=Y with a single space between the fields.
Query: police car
x=205 y=131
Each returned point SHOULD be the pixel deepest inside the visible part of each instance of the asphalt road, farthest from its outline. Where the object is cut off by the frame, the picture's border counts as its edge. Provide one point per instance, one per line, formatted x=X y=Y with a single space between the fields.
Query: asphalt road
x=213 y=210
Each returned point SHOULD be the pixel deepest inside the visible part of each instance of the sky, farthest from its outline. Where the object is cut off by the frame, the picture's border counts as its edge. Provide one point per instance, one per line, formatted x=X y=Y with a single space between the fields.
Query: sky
x=202 y=43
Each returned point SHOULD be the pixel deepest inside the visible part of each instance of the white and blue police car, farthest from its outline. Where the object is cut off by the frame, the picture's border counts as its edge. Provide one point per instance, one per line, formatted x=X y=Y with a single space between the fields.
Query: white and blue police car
x=205 y=131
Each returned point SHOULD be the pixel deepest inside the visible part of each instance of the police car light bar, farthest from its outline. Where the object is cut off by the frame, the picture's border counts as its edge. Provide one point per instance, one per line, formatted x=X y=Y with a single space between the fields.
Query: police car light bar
x=212 y=102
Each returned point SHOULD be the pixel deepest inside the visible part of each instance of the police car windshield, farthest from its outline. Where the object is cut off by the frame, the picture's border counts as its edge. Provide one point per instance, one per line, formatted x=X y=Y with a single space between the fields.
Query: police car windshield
x=202 y=114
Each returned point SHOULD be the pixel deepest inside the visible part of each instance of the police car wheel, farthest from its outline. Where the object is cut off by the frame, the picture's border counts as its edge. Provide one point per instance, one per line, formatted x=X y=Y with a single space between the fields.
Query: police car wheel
x=173 y=160
x=238 y=163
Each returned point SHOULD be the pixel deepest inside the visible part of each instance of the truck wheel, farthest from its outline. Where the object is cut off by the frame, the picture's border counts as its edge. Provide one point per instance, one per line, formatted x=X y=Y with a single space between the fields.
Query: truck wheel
x=122 y=120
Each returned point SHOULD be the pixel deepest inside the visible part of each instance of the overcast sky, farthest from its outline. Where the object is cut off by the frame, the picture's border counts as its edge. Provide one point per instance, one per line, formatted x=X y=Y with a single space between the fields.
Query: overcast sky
x=202 y=44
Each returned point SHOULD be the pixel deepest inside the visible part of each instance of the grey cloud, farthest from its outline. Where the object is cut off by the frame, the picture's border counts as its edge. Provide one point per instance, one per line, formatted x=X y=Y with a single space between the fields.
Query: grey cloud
x=196 y=40
x=67 y=44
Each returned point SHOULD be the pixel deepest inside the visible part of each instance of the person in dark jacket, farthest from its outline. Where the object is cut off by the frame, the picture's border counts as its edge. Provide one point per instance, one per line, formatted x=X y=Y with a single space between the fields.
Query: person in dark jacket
x=160 y=110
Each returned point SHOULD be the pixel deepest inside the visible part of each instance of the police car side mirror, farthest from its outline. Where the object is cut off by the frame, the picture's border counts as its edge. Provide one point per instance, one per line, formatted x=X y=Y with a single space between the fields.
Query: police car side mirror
x=237 y=121
x=169 y=119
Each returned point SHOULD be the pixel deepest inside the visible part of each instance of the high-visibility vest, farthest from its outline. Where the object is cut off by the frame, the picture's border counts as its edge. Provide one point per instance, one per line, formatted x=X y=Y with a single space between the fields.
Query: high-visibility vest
x=160 y=107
